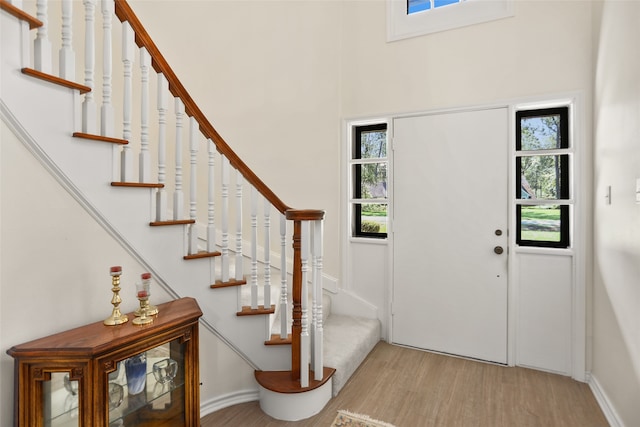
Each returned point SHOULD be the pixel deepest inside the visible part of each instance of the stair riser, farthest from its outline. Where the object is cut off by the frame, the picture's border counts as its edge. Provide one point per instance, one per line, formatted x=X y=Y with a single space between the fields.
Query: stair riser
x=295 y=406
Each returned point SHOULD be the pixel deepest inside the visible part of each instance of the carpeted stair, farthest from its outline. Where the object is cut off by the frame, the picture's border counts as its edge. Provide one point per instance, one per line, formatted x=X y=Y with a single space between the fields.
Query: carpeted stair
x=347 y=341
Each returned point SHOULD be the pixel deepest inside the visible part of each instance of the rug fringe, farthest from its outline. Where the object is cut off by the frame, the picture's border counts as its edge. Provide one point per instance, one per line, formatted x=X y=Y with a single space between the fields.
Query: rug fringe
x=365 y=418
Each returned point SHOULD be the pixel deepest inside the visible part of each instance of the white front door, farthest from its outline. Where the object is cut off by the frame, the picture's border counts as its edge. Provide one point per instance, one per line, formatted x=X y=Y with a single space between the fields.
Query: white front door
x=450 y=216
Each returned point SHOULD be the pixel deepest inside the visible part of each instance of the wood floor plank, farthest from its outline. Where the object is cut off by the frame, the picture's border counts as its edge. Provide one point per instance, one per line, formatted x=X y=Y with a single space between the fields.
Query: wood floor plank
x=412 y=388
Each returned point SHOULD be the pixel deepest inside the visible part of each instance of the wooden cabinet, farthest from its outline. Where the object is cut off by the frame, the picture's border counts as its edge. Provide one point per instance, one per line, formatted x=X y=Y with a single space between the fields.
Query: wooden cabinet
x=79 y=378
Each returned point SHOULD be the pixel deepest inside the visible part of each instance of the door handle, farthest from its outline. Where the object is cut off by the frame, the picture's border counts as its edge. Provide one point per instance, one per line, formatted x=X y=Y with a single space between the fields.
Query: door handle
x=498 y=250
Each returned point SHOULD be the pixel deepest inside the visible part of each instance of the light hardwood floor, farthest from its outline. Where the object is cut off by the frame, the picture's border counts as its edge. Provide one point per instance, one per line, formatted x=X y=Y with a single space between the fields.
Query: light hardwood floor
x=412 y=388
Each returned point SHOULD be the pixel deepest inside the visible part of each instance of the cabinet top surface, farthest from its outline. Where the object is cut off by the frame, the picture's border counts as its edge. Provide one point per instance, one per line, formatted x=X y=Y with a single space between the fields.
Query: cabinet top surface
x=96 y=337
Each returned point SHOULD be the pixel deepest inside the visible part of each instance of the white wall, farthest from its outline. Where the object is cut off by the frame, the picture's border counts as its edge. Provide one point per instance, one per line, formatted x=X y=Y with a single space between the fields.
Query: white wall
x=543 y=51
x=616 y=358
x=55 y=259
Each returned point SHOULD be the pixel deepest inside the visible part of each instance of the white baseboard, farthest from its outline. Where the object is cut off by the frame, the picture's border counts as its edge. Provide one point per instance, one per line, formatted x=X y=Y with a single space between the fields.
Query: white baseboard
x=227 y=400
x=603 y=400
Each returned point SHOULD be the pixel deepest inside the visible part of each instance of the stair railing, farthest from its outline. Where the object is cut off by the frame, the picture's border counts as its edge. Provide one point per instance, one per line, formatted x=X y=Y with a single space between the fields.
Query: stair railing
x=225 y=174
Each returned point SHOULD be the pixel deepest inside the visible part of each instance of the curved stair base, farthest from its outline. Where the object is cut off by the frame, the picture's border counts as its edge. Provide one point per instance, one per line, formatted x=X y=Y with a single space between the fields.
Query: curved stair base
x=283 y=399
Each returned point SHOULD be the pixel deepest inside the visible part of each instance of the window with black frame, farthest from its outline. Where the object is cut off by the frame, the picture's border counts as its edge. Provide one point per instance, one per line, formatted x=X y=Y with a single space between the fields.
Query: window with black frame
x=369 y=181
x=543 y=157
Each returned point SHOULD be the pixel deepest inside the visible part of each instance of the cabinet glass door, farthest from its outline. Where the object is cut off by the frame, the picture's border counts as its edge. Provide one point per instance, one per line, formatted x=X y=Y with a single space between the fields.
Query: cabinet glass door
x=148 y=388
x=60 y=401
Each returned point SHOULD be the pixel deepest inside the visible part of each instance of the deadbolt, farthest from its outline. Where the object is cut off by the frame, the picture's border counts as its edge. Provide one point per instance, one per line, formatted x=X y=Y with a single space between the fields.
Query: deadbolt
x=498 y=232
x=498 y=250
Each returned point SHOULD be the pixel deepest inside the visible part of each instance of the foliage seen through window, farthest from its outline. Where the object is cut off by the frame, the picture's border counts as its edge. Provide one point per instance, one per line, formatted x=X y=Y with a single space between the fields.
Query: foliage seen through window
x=369 y=162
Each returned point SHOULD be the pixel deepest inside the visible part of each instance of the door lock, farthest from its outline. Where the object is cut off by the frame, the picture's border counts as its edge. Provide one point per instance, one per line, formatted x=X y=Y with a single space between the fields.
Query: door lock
x=498 y=250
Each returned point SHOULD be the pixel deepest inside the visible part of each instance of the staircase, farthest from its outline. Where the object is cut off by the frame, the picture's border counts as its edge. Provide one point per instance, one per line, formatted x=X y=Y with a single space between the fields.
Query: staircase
x=180 y=206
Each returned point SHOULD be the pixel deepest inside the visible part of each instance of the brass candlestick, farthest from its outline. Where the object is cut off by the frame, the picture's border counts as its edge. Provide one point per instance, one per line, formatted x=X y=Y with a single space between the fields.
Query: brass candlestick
x=151 y=310
x=142 y=292
x=116 y=317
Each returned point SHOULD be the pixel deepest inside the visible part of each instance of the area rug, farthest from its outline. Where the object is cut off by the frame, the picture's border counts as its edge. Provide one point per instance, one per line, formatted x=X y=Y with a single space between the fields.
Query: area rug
x=349 y=419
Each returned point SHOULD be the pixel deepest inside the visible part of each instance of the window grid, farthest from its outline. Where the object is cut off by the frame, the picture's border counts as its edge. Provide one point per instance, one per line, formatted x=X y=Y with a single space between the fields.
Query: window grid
x=368 y=192
x=415 y=6
x=543 y=169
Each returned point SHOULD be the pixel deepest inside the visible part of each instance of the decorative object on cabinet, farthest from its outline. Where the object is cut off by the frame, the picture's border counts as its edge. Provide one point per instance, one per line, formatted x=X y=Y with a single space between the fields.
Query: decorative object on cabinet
x=165 y=370
x=151 y=310
x=92 y=362
x=142 y=293
x=136 y=369
x=116 y=317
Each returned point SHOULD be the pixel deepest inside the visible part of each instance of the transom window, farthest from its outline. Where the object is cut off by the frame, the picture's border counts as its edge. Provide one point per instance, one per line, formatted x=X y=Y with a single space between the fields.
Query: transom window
x=369 y=166
x=543 y=156
x=411 y=18
x=414 y=6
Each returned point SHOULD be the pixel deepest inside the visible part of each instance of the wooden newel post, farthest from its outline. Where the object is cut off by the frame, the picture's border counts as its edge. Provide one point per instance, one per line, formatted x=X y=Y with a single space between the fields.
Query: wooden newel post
x=296 y=328
x=297 y=216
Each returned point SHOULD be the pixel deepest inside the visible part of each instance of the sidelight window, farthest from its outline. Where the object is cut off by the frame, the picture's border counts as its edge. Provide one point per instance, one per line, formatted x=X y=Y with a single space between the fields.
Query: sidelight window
x=369 y=168
x=543 y=158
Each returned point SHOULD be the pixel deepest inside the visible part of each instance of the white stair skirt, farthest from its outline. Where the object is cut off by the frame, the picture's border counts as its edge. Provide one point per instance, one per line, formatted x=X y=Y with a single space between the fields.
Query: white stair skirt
x=295 y=406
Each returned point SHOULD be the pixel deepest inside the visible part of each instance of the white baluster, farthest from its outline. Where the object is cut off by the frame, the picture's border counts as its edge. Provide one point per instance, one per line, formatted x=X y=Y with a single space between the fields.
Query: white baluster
x=211 y=204
x=193 y=149
x=178 y=196
x=267 y=253
x=283 y=277
x=126 y=163
x=224 y=259
x=25 y=40
x=163 y=106
x=314 y=313
x=144 y=159
x=42 y=44
x=304 y=334
x=107 y=120
x=318 y=332
x=254 y=248
x=66 y=54
x=89 y=110
x=239 y=181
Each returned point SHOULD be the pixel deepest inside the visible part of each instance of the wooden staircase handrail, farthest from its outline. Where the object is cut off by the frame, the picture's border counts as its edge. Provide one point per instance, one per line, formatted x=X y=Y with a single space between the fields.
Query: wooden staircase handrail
x=304 y=214
x=160 y=65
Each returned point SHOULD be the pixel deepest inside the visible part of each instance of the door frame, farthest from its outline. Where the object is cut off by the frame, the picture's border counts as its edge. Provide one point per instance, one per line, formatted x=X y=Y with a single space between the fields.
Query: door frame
x=581 y=236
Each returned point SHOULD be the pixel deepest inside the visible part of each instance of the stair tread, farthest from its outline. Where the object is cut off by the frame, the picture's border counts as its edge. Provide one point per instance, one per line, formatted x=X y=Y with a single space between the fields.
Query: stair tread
x=248 y=311
x=276 y=339
x=202 y=254
x=137 y=184
x=94 y=137
x=282 y=382
x=56 y=80
x=172 y=222
x=230 y=282
x=20 y=14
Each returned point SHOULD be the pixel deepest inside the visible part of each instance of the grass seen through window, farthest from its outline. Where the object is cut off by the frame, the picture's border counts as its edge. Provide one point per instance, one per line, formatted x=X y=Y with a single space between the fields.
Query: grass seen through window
x=541 y=223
